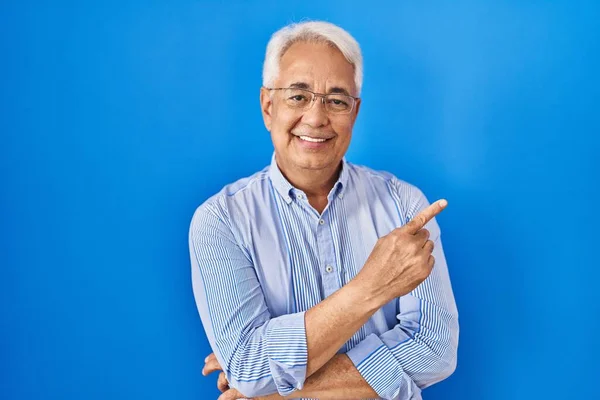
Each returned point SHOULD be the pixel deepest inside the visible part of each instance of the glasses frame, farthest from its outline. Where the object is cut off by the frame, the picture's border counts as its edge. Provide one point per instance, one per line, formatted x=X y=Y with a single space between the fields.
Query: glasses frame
x=322 y=95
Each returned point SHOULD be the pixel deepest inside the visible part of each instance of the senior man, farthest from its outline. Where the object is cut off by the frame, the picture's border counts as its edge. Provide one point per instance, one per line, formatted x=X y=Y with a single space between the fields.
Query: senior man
x=316 y=277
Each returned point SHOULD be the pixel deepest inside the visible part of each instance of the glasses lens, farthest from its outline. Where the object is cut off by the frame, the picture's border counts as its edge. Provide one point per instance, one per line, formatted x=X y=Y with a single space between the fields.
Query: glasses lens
x=297 y=98
x=339 y=103
x=302 y=99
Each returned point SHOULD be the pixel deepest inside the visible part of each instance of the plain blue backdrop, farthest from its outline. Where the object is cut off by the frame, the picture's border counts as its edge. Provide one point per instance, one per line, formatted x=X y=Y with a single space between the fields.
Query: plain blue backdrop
x=118 y=119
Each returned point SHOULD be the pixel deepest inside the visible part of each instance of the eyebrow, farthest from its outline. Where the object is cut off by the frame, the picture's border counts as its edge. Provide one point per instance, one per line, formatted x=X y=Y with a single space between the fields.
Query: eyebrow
x=300 y=85
x=304 y=85
x=339 y=90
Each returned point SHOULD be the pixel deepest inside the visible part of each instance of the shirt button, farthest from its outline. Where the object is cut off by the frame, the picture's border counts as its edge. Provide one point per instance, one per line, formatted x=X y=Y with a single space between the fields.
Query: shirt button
x=321 y=222
x=341 y=196
x=329 y=268
x=300 y=196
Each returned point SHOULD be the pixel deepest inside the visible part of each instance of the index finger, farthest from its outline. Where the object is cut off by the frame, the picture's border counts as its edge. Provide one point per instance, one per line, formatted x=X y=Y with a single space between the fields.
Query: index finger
x=421 y=219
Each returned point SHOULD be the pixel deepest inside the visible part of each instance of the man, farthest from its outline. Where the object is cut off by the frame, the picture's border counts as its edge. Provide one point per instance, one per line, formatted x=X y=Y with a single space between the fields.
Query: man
x=315 y=277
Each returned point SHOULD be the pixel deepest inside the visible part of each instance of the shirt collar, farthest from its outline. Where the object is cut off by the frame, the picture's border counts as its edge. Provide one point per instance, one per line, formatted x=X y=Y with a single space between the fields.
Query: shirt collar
x=286 y=189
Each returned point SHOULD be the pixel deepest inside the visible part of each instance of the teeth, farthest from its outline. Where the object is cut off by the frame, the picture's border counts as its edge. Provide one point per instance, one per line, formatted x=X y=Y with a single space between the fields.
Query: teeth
x=309 y=139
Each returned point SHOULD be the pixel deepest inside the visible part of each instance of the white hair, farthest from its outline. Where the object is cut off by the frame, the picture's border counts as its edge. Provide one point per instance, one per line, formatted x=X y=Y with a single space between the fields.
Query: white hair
x=311 y=31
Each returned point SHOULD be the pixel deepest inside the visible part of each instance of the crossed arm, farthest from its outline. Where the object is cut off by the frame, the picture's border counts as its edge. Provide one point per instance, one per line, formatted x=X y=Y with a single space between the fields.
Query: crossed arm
x=337 y=379
x=295 y=355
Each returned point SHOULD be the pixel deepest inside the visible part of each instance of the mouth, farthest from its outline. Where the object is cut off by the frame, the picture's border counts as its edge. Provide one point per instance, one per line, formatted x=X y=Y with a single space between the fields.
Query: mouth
x=312 y=143
x=313 y=139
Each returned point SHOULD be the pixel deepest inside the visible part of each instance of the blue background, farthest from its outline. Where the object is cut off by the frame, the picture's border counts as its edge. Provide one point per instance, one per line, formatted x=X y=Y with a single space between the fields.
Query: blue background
x=118 y=119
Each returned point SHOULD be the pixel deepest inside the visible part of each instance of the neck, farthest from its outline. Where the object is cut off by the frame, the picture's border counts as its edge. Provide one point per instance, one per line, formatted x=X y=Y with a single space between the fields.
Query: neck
x=313 y=182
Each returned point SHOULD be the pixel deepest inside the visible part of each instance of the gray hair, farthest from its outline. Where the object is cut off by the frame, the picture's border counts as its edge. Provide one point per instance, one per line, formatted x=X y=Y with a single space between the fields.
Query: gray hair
x=311 y=31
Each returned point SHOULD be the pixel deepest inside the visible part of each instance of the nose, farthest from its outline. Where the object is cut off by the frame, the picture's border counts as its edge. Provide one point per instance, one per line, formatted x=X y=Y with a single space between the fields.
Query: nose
x=316 y=115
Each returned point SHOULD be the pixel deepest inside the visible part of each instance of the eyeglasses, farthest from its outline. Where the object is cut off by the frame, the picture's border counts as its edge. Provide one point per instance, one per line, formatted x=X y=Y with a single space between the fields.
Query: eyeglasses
x=302 y=99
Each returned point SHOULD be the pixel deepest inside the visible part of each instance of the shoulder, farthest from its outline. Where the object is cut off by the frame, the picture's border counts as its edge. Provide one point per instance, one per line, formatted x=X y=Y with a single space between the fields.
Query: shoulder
x=403 y=190
x=408 y=198
x=219 y=206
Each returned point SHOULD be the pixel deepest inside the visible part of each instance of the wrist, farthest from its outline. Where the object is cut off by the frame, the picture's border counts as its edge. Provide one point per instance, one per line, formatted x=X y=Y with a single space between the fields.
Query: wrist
x=366 y=295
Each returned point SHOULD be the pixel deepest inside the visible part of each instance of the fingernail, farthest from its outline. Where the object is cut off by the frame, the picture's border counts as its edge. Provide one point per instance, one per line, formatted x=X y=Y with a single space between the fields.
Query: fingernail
x=443 y=203
x=206 y=359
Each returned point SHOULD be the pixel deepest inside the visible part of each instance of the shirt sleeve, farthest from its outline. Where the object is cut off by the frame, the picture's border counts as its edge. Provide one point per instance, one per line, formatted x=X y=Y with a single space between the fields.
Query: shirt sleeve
x=260 y=355
x=422 y=346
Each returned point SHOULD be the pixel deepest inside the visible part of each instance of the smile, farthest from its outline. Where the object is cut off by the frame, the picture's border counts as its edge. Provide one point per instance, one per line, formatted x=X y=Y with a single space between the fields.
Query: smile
x=314 y=140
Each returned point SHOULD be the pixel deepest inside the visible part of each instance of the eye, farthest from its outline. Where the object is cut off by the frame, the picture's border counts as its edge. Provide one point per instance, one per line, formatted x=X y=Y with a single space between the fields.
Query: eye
x=298 y=98
x=339 y=102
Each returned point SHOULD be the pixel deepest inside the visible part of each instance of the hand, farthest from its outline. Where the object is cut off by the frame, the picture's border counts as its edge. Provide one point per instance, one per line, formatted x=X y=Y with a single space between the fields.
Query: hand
x=402 y=259
x=232 y=394
x=211 y=364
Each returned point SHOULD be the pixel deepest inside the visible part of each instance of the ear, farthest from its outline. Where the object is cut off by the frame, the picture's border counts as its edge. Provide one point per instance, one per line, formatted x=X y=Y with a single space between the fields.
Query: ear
x=266 y=106
x=355 y=111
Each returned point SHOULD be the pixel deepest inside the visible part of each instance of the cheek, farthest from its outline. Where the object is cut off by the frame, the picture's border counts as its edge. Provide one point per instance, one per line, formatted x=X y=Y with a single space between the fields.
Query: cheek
x=343 y=129
x=282 y=123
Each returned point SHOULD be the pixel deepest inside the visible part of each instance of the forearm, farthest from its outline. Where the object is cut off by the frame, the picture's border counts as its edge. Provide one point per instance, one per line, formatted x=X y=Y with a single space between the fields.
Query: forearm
x=337 y=379
x=312 y=340
x=332 y=322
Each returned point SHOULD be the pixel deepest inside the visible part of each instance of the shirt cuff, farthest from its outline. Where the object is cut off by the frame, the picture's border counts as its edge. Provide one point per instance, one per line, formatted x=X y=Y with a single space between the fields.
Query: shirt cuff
x=287 y=352
x=378 y=366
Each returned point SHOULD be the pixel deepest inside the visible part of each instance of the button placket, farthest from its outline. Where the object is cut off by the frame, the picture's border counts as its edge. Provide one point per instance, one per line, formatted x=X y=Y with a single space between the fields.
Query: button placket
x=327 y=261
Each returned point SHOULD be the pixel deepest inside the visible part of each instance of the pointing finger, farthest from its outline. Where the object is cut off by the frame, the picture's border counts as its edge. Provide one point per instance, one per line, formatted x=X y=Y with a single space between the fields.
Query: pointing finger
x=421 y=219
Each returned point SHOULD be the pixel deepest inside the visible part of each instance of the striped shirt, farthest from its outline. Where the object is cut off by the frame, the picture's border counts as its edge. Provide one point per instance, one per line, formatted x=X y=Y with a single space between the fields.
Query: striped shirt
x=261 y=256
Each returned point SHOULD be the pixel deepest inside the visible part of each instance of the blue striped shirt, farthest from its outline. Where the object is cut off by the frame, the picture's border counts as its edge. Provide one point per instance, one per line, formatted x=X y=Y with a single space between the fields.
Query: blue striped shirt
x=261 y=256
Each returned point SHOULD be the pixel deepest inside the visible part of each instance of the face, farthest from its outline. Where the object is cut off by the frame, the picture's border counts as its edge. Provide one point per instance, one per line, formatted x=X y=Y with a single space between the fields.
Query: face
x=320 y=68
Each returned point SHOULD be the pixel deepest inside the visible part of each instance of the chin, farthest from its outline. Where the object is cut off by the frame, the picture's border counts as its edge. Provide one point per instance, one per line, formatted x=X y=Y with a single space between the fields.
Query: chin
x=313 y=160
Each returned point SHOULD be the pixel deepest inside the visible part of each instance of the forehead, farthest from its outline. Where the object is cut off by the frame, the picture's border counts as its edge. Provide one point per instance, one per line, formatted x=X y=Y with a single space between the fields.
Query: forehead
x=317 y=65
